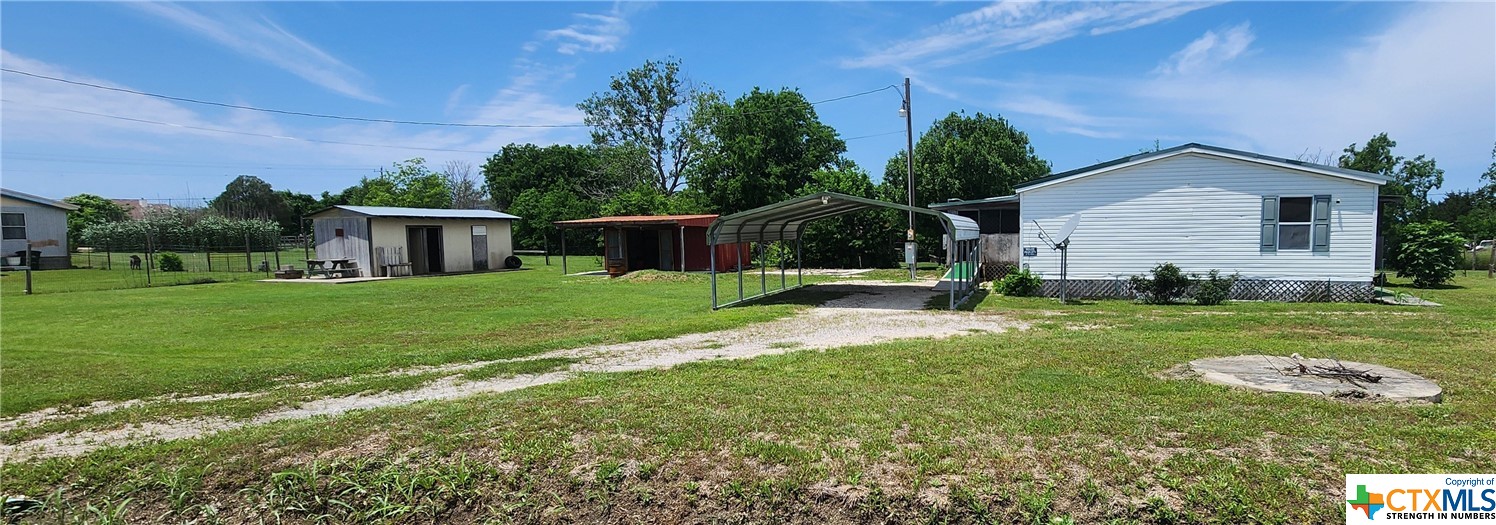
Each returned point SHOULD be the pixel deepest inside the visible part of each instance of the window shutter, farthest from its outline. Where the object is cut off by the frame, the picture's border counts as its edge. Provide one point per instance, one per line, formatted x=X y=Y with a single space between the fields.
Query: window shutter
x=1321 y=223
x=1269 y=224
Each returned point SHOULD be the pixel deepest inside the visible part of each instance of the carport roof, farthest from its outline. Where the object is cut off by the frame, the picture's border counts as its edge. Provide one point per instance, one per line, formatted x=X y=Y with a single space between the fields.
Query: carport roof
x=417 y=213
x=785 y=220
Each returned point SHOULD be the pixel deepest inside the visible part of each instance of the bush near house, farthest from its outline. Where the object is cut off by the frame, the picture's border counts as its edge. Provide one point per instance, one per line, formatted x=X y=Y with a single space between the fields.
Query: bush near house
x=1430 y=253
x=1214 y=289
x=1167 y=285
x=1018 y=284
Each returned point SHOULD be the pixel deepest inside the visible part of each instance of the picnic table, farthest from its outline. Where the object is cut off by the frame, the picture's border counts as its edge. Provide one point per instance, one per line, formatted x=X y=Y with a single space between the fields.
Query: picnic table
x=332 y=268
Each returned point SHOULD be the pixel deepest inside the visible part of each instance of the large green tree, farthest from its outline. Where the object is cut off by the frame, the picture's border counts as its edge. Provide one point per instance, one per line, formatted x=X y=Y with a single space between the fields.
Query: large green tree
x=962 y=157
x=1412 y=179
x=409 y=184
x=768 y=146
x=521 y=167
x=1375 y=157
x=92 y=209
x=295 y=206
x=546 y=184
x=653 y=108
x=865 y=239
x=248 y=197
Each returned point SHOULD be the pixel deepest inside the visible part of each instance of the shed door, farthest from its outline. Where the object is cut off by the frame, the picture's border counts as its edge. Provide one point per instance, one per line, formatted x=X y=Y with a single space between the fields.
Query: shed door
x=667 y=251
x=480 y=248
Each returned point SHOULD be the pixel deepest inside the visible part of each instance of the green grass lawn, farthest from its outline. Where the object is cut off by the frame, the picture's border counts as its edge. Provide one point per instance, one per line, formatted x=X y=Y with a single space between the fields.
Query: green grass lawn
x=1072 y=419
x=74 y=348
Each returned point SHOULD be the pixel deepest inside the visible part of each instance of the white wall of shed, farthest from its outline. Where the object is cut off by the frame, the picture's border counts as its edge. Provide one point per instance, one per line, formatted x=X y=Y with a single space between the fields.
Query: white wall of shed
x=457 y=240
x=1200 y=213
x=46 y=227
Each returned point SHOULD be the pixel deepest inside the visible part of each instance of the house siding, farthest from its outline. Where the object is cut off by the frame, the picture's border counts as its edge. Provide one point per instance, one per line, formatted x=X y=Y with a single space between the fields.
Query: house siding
x=1200 y=213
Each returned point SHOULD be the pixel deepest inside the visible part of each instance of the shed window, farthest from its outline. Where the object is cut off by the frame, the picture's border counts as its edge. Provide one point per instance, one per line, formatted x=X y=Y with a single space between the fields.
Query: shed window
x=337 y=233
x=1295 y=218
x=14 y=225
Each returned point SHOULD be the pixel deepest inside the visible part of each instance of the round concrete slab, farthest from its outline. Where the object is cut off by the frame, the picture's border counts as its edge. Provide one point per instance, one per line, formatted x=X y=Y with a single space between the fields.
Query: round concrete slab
x=1280 y=374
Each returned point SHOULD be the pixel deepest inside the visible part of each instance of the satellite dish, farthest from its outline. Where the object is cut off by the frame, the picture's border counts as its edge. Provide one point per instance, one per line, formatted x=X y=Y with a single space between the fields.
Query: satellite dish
x=1067 y=229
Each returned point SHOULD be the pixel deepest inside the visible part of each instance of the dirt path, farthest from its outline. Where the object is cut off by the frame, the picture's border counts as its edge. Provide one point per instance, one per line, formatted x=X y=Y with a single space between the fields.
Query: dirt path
x=870 y=313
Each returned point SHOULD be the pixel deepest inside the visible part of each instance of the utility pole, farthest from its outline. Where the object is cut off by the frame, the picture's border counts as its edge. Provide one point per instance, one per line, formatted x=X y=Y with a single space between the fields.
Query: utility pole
x=909 y=176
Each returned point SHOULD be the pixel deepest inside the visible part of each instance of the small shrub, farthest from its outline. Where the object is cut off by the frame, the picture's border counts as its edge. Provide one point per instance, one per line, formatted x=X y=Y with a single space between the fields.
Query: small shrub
x=1430 y=253
x=1166 y=286
x=1018 y=284
x=171 y=262
x=1214 y=289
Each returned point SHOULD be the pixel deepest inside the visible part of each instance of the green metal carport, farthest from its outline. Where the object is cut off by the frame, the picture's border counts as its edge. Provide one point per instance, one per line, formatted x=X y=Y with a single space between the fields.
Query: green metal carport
x=786 y=220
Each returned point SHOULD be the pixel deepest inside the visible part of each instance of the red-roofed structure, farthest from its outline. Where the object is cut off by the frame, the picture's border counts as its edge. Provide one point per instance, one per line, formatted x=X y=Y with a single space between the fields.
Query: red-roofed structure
x=659 y=242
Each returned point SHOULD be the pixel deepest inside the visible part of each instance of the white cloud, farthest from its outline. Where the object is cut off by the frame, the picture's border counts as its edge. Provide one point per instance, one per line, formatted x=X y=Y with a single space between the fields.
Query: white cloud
x=592 y=33
x=262 y=39
x=36 y=117
x=1428 y=79
x=1209 y=51
x=1016 y=25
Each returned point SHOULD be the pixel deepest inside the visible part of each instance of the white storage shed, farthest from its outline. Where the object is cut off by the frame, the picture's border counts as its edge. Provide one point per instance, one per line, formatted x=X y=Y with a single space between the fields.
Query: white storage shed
x=383 y=241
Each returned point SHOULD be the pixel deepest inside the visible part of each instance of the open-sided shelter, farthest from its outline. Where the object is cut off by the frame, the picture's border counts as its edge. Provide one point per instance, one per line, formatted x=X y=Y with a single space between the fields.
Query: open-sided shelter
x=385 y=241
x=656 y=242
x=786 y=220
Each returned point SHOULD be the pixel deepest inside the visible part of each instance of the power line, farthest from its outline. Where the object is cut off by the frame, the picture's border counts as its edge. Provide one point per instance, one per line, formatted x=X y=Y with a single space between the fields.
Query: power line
x=369 y=119
x=287 y=112
x=177 y=164
x=899 y=132
x=245 y=133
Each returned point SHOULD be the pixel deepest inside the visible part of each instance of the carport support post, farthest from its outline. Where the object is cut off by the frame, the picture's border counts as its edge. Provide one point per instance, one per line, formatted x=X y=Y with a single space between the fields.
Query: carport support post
x=799 y=264
x=682 y=249
x=711 y=248
x=563 y=252
x=739 y=264
x=763 y=275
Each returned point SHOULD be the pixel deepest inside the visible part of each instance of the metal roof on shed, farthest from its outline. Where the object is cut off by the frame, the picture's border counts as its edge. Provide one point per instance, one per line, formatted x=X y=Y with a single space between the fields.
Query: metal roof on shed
x=37 y=199
x=785 y=220
x=418 y=213
x=617 y=221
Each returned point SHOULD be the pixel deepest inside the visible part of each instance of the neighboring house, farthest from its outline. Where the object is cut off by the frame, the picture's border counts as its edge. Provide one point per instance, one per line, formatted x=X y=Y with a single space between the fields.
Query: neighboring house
x=41 y=221
x=138 y=208
x=659 y=242
x=427 y=240
x=1292 y=230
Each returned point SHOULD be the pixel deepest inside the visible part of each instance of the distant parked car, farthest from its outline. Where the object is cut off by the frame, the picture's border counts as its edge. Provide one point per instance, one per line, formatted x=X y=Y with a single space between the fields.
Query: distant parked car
x=1482 y=246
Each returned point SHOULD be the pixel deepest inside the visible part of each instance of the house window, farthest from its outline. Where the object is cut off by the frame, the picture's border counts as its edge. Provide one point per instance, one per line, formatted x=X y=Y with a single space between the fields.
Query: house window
x=13 y=225
x=1295 y=222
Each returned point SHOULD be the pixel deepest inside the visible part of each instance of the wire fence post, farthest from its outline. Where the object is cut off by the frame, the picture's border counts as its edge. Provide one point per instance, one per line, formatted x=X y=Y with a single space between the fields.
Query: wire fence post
x=249 y=260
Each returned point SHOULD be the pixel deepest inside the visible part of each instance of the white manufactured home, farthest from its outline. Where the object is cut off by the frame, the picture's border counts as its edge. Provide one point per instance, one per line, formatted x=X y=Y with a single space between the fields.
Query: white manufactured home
x=381 y=241
x=1291 y=230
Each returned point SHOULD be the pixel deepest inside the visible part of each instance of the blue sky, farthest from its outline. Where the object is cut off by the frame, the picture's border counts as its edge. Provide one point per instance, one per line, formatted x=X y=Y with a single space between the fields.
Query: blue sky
x=1088 y=82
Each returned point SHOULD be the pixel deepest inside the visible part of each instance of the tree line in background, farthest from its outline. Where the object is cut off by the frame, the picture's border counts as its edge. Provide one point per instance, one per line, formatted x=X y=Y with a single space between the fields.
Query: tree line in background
x=662 y=144
x=1424 y=239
